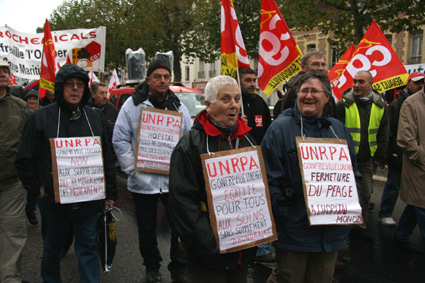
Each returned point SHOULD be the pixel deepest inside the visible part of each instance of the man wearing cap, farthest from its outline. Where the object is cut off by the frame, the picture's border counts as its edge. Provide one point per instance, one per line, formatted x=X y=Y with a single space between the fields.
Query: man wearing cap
x=14 y=114
x=148 y=188
x=415 y=83
x=365 y=114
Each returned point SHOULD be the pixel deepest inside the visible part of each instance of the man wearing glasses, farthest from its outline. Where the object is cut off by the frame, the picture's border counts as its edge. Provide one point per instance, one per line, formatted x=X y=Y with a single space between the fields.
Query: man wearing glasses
x=68 y=117
x=365 y=114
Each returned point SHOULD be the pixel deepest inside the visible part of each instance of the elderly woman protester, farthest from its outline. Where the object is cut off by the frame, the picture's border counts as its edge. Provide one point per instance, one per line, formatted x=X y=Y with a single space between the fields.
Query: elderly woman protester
x=217 y=128
x=304 y=253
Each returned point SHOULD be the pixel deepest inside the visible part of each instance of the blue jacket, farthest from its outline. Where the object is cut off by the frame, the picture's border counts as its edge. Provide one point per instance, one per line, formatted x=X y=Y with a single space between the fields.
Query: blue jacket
x=285 y=183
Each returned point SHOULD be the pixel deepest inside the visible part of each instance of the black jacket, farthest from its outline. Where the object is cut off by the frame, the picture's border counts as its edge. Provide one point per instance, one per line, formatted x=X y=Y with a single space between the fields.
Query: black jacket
x=258 y=114
x=188 y=199
x=34 y=161
x=395 y=155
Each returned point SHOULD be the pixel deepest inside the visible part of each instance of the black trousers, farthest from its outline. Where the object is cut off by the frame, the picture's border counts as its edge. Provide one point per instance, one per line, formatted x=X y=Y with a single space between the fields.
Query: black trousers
x=146 y=214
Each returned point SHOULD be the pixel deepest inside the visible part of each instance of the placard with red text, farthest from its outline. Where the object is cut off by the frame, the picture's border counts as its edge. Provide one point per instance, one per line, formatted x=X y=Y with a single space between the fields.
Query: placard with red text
x=158 y=133
x=77 y=165
x=330 y=189
x=238 y=198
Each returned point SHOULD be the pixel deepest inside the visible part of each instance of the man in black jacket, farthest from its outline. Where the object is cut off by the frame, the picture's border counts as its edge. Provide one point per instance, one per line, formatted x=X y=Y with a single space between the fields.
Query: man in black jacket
x=99 y=99
x=67 y=117
x=255 y=109
x=415 y=83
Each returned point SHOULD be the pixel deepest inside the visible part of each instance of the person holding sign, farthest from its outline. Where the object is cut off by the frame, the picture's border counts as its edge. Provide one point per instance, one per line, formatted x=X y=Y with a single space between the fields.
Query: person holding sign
x=304 y=252
x=217 y=128
x=66 y=147
x=148 y=126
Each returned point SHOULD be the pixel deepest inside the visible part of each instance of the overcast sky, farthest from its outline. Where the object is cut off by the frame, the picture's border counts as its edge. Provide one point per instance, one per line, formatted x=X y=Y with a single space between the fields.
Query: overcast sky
x=26 y=15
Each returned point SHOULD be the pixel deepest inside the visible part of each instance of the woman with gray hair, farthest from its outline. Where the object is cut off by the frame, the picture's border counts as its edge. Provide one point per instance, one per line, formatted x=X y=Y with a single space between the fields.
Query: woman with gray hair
x=304 y=253
x=217 y=128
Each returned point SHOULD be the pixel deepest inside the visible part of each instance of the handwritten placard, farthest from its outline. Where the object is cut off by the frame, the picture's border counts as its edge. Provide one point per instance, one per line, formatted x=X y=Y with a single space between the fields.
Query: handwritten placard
x=330 y=189
x=77 y=169
x=158 y=133
x=238 y=198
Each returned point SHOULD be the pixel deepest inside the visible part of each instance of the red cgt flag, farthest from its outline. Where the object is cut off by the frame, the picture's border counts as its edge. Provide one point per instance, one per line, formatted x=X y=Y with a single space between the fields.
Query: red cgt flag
x=374 y=54
x=49 y=63
x=279 y=55
x=336 y=72
x=233 y=52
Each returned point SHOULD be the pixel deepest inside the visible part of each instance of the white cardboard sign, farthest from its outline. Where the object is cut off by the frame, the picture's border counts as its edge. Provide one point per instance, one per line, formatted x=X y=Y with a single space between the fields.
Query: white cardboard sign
x=330 y=189
x=78 y=173
x=238 y=198
x=158 y=133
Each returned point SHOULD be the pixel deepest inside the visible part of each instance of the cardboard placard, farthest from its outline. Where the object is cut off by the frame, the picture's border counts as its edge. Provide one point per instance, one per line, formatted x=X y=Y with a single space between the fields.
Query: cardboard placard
x=330 y=189
x=77 y=165
x=158 y=133
x=238 y=198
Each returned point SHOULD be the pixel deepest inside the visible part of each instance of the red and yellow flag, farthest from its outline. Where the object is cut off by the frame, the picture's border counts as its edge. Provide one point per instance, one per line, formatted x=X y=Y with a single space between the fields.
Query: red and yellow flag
x=374 y=54
x=233 y=52
x=49 y=63
x=336 y=72
x=279 y=55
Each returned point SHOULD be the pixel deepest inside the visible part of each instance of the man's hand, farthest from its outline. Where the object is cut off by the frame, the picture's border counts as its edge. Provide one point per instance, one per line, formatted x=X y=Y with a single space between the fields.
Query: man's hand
x=245 y=118
x=109 y=203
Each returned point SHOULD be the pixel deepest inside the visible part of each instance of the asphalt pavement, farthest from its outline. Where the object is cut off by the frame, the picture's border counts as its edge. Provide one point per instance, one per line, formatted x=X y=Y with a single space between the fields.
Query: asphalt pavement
x=379 y=260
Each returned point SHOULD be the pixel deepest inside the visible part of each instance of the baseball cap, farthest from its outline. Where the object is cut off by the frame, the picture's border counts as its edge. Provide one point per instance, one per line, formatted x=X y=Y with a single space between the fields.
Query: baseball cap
x=416 y=76
x=3 y=64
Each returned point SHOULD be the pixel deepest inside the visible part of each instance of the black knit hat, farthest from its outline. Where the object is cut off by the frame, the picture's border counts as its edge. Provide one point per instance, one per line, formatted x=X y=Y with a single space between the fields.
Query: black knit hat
x=31 y=93
x=157 y=64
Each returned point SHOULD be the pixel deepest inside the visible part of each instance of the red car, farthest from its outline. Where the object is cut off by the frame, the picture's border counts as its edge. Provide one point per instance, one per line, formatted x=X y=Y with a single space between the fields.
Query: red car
x=192 y=98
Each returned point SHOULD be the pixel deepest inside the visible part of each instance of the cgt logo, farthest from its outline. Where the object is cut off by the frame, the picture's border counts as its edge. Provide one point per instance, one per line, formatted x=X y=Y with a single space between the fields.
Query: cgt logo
x=375 y=56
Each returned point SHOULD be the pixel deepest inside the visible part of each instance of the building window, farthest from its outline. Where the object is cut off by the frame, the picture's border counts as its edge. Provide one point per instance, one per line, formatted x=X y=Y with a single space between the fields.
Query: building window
x=416 y=47
x=201 y=73
x=335 y=56
x=213 y=71
x=389 y=37
x=187 y=73
x=311 y=47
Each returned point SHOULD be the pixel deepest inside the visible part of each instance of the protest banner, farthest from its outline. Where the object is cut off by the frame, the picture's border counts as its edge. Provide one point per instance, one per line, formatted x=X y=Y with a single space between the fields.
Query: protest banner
x=238 y=198
x=279 y=57
x=158 y=133
x=233 y=51
x=330 y=189
x=374 y=54
x=23 y=51
x=77 y=165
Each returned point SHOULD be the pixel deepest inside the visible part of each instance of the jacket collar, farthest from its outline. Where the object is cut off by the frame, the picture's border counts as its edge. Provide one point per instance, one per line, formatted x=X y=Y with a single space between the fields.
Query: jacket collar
x=141 y=94
x=211 y=130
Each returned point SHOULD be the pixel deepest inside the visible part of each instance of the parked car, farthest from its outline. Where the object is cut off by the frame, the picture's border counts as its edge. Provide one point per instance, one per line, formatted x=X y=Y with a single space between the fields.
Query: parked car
x=192 y=98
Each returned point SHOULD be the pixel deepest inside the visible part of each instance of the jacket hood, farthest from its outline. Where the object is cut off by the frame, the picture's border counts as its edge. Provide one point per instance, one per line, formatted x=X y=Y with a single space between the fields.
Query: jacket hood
x=202 y=121
x=142 y=93
x=70 y=71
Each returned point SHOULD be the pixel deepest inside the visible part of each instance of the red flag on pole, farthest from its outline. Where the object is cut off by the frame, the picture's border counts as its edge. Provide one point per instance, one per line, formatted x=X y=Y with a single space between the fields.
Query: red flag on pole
x=279 y=55
x=49 y=63
x=233 y=52
x=113 y=82
x=12 y=79
x=374 y=54
x=336 y=72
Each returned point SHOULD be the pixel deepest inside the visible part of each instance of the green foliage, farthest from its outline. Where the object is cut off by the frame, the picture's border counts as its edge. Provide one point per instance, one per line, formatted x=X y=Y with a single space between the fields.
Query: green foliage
x=347 y=21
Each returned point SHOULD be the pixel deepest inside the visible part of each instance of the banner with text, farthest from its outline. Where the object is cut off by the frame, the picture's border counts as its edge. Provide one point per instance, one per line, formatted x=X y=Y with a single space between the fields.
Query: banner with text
x=23 y=51
x=336 y=72
x=330 y=189
x=238 y=199
x=77 y=165
x=158 y=133
x=374 y=54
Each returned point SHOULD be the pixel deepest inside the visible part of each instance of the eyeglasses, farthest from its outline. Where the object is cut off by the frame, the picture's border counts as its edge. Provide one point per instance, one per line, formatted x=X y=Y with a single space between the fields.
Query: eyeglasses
x=70 y=84
x=312 y=91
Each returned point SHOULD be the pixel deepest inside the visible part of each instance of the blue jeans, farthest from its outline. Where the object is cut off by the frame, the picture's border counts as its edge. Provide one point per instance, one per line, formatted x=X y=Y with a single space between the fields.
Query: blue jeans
x=391 y=192
x=264 y=249
x=86 y=248
x=411 y=216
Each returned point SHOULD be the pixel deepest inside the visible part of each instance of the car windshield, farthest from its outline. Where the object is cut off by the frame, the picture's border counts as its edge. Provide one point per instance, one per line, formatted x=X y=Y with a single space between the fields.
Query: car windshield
x=194 y=101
